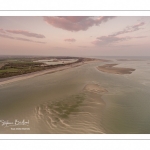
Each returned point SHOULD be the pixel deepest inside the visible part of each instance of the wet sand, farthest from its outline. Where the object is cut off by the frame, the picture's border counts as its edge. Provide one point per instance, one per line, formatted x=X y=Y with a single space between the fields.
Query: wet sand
x=129 y=60
x=109 y=68
x=95 y=88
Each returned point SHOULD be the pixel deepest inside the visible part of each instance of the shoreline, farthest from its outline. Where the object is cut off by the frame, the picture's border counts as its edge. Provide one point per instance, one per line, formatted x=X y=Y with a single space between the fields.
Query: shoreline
x=47 y=71
x=37 y=73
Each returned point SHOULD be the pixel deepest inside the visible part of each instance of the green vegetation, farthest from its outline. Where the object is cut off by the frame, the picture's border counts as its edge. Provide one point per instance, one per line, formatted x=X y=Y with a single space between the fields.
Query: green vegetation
x=18 y=66
x=67 y=106
x=12 y=68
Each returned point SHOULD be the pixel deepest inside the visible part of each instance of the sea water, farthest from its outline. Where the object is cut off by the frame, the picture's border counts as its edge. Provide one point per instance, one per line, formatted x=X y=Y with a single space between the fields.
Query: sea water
x=57 y=103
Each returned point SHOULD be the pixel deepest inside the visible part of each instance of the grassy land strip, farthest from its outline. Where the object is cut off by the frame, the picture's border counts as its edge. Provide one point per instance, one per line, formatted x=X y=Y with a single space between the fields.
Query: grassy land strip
x=19 y=67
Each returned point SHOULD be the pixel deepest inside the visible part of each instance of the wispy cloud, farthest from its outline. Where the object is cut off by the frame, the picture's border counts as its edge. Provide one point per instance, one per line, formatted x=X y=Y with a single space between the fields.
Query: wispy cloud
x=6 y=36
x=70 y=40
x=107 y=40
x=129 y=29
x=26 y=33
x=139 y=37
x=76 y=23
x=124 y=46
x=83 y=46
x=18 y=38
x=113 y=38
x=2 y=30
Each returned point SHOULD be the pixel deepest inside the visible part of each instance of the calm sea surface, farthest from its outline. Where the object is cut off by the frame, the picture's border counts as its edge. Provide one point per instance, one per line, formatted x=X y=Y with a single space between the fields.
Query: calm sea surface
x=57 y=103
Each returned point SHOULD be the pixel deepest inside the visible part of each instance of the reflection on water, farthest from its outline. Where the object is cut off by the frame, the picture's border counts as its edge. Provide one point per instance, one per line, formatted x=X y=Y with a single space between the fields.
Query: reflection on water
x=56 y=61
x=81 y=100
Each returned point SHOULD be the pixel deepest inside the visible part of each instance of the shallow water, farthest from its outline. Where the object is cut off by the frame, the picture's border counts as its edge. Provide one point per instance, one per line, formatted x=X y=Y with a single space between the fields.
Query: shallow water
x=57 y=103
x=53 y=62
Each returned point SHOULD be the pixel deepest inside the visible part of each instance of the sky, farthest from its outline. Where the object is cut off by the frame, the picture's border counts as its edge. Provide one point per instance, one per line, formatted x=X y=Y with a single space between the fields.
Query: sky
x=75 y=35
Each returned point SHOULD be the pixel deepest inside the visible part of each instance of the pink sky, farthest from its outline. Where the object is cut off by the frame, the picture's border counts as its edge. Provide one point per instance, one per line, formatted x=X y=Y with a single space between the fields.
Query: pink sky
x=75 y=36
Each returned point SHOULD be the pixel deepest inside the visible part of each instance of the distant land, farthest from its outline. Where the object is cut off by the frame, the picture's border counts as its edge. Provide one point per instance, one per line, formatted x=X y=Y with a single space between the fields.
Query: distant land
x=19 y=65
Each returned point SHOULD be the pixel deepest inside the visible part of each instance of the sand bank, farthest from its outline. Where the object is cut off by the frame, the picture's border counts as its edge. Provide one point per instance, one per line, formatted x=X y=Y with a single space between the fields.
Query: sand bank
x=129 y=60
x=94 y=88
x=109 y=68
x=95 y=93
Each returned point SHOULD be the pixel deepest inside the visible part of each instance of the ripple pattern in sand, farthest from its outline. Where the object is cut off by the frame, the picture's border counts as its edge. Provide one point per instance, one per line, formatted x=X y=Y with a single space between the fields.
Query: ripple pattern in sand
x=79 y=113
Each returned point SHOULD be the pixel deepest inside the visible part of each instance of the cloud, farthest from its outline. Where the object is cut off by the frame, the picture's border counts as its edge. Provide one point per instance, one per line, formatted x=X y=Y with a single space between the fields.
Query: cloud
x=76 y=23
x=2 y=30
x=107 y=40
x=75 y=19
x=138 y=25
x=124 y=46
x=112 y=38
x=26 y=33
x=40 y=42
x=83 y=46
x=129 y=29
x=6 y=36
x=138 y=37
x=28 y=40
x=18 y=38
x=70 y=40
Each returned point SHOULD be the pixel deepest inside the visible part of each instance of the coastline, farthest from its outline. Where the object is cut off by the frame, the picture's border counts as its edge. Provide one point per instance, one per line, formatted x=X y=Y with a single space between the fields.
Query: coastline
x=37 y=73
x=51 y=70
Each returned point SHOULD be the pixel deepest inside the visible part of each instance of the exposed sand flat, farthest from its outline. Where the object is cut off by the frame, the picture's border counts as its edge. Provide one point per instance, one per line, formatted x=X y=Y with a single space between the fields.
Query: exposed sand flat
x=129 y=60
x=109 y=68
x=94 y=88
